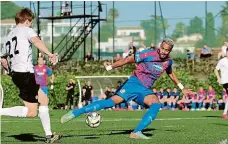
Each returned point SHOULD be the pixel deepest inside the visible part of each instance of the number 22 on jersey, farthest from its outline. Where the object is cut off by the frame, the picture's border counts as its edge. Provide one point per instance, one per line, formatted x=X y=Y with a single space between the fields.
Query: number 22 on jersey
x=13 y=43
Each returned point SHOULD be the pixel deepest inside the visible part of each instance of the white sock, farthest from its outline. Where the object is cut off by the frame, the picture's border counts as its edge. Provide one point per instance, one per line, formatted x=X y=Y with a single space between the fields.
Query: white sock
x=226 y=108
x=45 y=119
x=17 y=111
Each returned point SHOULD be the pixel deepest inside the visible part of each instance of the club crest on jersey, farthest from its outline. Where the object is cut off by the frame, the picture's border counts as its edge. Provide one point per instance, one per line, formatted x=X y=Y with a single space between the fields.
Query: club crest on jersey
x=122 y=91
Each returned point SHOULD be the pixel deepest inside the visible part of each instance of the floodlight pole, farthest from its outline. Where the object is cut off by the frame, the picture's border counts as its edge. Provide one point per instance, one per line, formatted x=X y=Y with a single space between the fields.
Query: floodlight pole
x=38 y=24
x=84 y=32
x=113 y=25
x=206 y=22
x=52 y=29
x=155 y=23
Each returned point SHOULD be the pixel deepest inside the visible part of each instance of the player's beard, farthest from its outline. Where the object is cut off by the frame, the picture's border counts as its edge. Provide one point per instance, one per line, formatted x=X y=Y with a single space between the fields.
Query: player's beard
x=162 y=56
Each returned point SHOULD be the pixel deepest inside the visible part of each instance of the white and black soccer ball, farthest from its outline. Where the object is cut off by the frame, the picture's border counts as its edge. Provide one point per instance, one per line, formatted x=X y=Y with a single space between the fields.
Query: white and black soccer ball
x=93 y=119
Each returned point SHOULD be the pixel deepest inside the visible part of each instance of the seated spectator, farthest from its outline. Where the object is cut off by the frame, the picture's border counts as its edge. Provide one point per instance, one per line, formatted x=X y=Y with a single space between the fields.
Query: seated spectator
x=224 y=98
x=190 y=55
x=174 y=98
x=89 y=57
x=162 y=95
x=183 y=103
x=222 y=53
x=210 y=98
x=193 y=100
x=155 y=91
x=168 y=100
x=206 y=52
x=201 y=95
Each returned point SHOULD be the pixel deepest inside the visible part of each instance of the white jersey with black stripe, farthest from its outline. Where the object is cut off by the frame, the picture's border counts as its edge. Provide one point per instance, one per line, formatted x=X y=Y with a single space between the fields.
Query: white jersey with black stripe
x=18 y=47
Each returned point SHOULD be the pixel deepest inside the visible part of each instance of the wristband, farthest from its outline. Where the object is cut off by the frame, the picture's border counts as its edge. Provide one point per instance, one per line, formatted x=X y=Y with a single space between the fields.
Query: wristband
x=108 y=68
x=180 y=86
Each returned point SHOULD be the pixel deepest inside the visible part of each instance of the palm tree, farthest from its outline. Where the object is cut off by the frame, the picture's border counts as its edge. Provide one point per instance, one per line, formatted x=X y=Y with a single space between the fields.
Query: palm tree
x=113 y=13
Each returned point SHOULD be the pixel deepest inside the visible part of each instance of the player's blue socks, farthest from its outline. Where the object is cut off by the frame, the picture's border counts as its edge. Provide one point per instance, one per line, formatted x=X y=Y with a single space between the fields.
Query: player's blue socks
x=194 y=105
x=174 y=106
x=148 y=117
x=96 y=106
x=200 y=105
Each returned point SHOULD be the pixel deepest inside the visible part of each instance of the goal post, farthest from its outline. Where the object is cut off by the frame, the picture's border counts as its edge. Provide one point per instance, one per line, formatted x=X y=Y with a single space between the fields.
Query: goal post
x=99 y=83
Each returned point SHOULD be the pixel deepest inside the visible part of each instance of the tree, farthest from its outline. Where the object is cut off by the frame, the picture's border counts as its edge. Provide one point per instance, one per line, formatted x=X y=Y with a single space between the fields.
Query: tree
x=196 y=26
x=149 y=26
x=210 y=37
x=107 y=27
x=9 y=10
x=113 y=12
x=224 y=29
x=179 y=30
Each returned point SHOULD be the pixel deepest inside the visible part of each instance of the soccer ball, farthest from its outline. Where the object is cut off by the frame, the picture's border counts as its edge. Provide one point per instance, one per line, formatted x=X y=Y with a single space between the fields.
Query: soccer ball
x=93 y=119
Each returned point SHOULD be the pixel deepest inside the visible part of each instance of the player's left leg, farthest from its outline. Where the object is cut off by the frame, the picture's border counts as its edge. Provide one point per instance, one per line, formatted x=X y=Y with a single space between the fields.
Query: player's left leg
x=153 y=103
x=45 y=117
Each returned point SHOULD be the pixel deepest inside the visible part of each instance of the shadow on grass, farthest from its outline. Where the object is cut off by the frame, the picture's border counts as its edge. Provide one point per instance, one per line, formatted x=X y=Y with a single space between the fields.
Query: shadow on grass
x=27 y=137
x=212 y=116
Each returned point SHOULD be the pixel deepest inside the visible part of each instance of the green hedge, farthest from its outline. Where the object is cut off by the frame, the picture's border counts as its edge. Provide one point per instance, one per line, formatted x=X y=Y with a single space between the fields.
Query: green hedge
x=59 y=94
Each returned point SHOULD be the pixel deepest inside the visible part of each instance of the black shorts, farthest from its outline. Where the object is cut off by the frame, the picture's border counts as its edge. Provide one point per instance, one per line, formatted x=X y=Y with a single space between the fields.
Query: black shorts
x=26 y=83
x=225 y=86
x=86 y=98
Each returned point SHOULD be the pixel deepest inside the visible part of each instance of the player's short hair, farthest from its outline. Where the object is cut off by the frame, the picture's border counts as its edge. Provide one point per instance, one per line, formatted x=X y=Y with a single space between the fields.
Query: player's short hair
x=169 y=41
x=226 y=49
x=23 y=15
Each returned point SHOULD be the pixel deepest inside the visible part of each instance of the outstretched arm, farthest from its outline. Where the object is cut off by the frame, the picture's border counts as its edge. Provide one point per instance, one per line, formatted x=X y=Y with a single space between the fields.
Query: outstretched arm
x=127 y=60
x=174 y=78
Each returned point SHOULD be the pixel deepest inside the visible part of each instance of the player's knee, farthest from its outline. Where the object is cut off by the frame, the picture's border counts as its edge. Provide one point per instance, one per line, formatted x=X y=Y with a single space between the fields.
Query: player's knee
x=117 y=99
x=32 y=114
x=150 y=102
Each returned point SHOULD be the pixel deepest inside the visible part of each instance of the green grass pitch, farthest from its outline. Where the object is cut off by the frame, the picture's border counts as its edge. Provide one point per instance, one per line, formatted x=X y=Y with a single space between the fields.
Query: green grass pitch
x=170 y=127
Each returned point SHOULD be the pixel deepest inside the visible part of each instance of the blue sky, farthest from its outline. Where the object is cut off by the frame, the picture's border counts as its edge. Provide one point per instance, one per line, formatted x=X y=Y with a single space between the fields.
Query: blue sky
x=132 y=12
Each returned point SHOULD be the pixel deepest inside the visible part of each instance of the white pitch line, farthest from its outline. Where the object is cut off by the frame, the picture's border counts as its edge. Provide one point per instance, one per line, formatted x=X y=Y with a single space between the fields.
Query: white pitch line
x=108 y=120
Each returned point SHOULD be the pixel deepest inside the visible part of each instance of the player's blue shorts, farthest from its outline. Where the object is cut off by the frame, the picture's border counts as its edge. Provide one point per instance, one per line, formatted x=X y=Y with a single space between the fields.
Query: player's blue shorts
x=134 y=90
x=45 y=90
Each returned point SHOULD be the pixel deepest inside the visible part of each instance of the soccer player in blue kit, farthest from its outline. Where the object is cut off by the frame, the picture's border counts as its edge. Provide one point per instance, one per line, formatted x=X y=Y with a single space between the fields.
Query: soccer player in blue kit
x=150 y=64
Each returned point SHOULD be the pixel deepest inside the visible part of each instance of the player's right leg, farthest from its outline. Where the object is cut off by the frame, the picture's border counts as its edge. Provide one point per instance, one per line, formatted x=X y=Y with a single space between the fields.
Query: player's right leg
x=96 y=106
x=28 y=93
